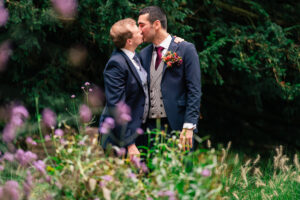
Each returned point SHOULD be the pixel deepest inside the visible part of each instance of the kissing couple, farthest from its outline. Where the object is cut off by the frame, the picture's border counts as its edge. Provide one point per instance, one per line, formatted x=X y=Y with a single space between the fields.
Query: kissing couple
x=162 y=82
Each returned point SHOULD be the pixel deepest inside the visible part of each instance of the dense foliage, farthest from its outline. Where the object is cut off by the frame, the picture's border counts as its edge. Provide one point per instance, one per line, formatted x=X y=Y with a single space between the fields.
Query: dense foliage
x=248 y=50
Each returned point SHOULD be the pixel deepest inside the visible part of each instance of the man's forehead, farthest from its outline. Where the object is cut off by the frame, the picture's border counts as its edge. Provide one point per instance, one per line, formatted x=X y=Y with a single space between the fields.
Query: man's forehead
x=143 y=18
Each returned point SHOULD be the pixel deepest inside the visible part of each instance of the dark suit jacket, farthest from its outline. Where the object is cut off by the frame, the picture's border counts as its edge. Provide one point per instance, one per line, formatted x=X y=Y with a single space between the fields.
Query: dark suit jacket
x=180 y=85
x=122 y=83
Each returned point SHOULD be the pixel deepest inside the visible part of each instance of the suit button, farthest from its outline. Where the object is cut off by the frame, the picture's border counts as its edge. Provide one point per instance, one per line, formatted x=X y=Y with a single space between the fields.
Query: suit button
x=161 y=98
x=160 y=105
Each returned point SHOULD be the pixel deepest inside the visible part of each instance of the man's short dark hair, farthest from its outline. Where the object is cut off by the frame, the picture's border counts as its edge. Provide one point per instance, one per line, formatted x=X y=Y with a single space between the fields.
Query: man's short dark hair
x=155 y=13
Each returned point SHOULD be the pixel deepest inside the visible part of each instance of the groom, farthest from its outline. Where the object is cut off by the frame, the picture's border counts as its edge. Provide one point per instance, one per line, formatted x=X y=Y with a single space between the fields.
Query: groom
x=174 y=91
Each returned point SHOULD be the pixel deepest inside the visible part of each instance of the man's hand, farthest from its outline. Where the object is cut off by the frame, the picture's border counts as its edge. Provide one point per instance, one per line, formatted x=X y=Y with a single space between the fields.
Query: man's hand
x=186 y=138
x=178 y=39
x=133 y=151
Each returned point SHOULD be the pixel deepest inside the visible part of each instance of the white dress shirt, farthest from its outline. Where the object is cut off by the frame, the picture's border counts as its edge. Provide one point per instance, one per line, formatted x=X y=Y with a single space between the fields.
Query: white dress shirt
x=130 y=55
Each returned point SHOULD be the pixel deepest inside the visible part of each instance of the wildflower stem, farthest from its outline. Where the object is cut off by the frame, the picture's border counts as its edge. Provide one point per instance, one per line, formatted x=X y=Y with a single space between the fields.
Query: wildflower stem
x=39 y=124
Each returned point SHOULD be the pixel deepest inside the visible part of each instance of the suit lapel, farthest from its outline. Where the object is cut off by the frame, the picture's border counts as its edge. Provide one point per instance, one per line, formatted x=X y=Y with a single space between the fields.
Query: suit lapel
x=131 y=67
x=147 y=63
x=173 y=47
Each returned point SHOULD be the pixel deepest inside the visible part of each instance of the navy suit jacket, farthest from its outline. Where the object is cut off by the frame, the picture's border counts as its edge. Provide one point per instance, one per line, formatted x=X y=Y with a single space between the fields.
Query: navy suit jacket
x=122 y=83
x=180 y=85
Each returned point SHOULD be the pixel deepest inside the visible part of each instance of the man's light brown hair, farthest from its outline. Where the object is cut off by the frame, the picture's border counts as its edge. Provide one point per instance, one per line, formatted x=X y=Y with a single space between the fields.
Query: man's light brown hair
x=120 y=32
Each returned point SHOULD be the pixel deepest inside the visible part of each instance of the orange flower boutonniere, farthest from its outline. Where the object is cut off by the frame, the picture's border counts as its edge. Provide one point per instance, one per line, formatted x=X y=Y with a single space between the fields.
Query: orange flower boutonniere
x=172 y=59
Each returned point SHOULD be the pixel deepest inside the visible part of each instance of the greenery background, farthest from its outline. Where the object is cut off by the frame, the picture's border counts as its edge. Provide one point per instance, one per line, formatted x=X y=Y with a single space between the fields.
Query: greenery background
x=248 y=50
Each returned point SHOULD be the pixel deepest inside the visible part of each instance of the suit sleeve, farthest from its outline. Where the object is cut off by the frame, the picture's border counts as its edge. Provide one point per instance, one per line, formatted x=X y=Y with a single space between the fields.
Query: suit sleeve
x=114 y=82
x=115 y=78
x=193 y=84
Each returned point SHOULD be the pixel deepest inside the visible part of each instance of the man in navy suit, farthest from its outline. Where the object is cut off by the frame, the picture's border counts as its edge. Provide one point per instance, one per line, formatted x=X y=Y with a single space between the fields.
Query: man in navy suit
x=126 y=84
x=175 y=91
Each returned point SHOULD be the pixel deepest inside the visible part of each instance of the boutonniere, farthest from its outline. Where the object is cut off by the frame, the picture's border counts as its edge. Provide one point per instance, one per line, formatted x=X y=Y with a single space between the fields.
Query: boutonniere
x=172 y=59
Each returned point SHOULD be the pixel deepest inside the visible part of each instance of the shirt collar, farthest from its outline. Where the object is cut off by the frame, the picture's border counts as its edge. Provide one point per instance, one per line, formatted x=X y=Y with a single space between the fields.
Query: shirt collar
x=166 y=43
x=128 y=53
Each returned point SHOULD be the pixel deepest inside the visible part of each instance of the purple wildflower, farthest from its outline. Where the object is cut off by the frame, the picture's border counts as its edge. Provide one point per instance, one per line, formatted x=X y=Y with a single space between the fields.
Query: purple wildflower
x=1 y=169
x=206 y=172
x=62 y=141
x=90 y=90
x=136 y=161
x=73 y=96
x=8 y=156
x=28 y=184
x=49 y=117
x=144 y=167
x=81 y=143
x=139 y=131
x=87 y=84
x=25 y=158
x=59 y=132
x=122 y=113
x=30 y=141
x=66 y=8
x=110 y=122
x=3 y=15
x=85 y=113
x=82 y=87
x=131 y=175
x=107 y=178
x=9 y=133
x=102 y=184
x=18 y=115
x=5 y=52
x=121 y=152
x=96 y=97
x=149 y=198
x=11 y=190
x=47 y=138
x=40 y=166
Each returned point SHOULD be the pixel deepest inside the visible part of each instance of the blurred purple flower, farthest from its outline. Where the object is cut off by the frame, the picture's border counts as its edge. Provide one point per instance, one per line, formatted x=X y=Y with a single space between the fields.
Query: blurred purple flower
x=48 y=179
x=28 y=184
x=81 y=143
x=8 y=156
x=144 y=167
x=25 y=158
x=107 y=178
x=18 y=115
x=73 y=96
x=3 y=15
x=90 y=90
x=121 y=152
x=66 y=8
x=59 y=132
x=58 y=184
x=87 y=84
x=131 y=175
x=47 y=138
x=102 y=184
x=136 y=161
x=206 y=172
x=97 y=199
x=110 y=122
x=167 y=193
x=5 y=52
x=40 y=166
x=122 y=113
x=149 y=198
x=49 y=117
x=30 y=141
x=85 y=113
x=82 y=87
x=9 y=133
x=1 y=169
x=96 y=97
x=63 y=142
x=139 y=131
x=11 y=190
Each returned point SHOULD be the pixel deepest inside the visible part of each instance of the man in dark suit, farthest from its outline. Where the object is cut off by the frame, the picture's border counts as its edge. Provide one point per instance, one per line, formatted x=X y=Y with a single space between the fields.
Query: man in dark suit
x=126 y=88
x=175 y=91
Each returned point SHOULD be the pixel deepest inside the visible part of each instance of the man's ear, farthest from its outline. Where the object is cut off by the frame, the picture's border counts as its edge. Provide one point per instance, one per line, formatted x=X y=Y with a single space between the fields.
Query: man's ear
x=156 y=24
x=129 y=41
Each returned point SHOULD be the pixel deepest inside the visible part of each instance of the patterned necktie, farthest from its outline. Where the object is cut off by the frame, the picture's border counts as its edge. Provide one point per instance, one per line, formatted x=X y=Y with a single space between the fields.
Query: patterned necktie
x=137 y=60
x=158 y=57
